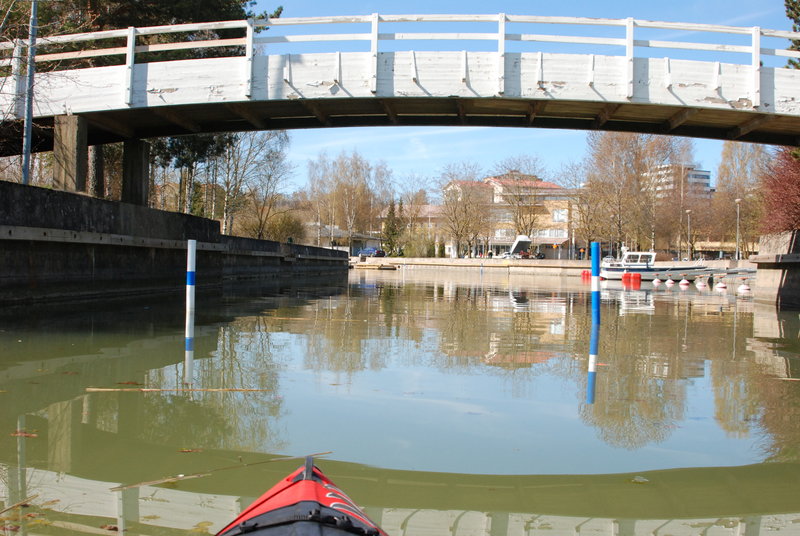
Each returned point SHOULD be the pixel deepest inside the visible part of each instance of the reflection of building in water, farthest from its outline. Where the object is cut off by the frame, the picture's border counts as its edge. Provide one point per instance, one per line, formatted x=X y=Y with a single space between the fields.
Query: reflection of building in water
x=771 y=331
x=660 y=366
x=531 y=332
x=636 y=302
x=520 y=359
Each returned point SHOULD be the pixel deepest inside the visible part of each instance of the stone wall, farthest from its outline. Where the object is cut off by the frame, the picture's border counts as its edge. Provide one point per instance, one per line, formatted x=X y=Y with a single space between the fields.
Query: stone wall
x=778 y=275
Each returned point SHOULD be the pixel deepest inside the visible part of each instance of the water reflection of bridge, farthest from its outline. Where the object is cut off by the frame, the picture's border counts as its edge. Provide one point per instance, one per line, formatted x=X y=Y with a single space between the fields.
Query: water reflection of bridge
x=687 y=501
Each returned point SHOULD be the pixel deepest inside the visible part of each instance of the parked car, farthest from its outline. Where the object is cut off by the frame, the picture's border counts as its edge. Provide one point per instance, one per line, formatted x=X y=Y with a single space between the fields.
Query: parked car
x=378 y=253
x=367 y=252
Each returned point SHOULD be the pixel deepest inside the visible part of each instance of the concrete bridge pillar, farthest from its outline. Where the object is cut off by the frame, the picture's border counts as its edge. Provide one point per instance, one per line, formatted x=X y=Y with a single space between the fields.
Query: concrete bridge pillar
x=70 y=152
x=135 y=172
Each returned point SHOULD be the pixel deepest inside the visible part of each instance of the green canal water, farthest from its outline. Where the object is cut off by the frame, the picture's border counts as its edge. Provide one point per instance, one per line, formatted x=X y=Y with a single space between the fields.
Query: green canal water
x=443 y=401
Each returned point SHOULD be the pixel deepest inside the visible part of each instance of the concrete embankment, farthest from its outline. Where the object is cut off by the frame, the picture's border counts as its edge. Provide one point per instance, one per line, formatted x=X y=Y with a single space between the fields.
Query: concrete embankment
x=58 y=246
x=543 y=266
x=550 y=267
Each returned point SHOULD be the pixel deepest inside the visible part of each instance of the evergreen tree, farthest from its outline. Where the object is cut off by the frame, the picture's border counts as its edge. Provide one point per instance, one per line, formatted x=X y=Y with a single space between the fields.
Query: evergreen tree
x=793 y=12
x=391 y=229
x=185 y=153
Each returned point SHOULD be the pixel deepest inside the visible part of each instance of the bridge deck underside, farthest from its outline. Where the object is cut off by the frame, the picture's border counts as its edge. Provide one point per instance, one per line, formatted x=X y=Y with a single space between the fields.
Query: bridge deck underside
x=697 y=99
x=113 y=126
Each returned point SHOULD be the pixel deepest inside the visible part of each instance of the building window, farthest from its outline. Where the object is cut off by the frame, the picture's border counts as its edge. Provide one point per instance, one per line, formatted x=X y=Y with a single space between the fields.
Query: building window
x=560 y=215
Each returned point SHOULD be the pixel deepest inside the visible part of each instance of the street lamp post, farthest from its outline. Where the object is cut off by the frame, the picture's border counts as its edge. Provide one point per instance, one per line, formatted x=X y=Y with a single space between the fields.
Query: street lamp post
x=28 y=120
x=689 y=233
x=738 y=202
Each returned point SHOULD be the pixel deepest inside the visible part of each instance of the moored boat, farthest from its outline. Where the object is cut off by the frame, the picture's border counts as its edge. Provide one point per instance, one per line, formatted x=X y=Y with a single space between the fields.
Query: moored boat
x=643 y=263
x=305 y=503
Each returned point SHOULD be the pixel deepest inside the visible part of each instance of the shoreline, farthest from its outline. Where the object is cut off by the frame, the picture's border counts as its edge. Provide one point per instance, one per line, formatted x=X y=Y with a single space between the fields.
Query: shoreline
x=569 y=268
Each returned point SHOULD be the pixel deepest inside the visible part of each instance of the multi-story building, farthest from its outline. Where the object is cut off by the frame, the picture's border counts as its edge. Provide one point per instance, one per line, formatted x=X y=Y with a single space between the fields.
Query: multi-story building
x=683 y=179
x=517 y=203
x=543 y=205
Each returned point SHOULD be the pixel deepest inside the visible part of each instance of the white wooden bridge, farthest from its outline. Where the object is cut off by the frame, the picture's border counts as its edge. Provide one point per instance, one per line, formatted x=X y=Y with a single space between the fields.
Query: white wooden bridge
x=698 y=80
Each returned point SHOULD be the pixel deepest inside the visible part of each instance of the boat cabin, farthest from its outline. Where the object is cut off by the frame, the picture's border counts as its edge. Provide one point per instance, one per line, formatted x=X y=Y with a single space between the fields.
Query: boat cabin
x=646 y=258
x=633 y=259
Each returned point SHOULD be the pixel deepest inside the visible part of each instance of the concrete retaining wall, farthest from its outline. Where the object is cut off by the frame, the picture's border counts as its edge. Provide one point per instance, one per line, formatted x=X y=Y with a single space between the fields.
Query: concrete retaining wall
x=553 y=267
x=778 y=276
x=59 y=245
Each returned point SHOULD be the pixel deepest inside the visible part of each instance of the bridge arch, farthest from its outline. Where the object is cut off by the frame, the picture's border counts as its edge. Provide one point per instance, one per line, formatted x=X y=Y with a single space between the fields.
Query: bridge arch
x=498 y=70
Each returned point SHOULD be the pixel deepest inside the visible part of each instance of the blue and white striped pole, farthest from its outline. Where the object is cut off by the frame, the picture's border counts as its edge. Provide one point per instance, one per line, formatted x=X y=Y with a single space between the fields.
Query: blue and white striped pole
x=595 y=248
x=592 y=376
x=191 y=262
x=595 y=336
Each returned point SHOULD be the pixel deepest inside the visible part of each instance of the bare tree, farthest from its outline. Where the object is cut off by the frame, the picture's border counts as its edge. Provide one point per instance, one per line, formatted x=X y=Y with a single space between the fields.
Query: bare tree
x=464 y=206
x=414 y=196
x=349 y=192
x=352 y=176
x=630 y=173
x=248 y=166
x=525 y=164
x=265 y=187
x=588 y=218
x=739 y=176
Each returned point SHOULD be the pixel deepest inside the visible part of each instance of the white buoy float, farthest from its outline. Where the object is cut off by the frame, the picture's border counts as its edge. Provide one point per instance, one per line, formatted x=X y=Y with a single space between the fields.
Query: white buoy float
x=721 y=285
x=700 y=283
x=684 y=282
x=656 y=281
x=744 y=288
x=669 y=282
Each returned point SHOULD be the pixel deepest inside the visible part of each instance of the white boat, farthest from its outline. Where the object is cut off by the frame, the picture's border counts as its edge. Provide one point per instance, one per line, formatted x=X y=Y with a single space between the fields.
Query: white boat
x=644 y=263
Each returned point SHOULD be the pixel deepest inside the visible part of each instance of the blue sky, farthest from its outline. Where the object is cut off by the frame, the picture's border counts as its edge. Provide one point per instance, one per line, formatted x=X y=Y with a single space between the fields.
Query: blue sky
x=426 y=150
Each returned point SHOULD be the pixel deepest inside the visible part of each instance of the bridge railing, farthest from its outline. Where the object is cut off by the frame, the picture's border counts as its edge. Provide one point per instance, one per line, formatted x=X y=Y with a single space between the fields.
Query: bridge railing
x=622 y=37
x=106 y=43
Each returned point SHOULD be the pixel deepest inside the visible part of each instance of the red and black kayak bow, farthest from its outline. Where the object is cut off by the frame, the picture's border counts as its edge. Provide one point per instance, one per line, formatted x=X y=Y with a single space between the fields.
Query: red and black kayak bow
x=305 y=503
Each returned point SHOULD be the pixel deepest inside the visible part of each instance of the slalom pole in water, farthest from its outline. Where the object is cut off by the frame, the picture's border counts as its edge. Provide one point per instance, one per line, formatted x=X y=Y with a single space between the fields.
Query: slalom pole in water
x=595 y=282
x=595 y=336
x=592 y=376
x=191 y=261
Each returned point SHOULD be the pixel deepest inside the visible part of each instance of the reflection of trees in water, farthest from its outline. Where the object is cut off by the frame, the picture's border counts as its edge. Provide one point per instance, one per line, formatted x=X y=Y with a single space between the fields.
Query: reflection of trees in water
x=180 y=421
x=641 y=391
x=783 y=426
x=337 y=340
x=246 y=357
x=736 y=399
x=636 y=411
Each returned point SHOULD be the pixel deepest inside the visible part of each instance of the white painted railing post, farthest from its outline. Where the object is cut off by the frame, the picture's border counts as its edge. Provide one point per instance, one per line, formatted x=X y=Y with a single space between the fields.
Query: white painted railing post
x=130 y=56
x=373 y=82
x=629 y=26
x=501 y=53
x=756 y=66
x=287 y=69
x=540 y=70
x=248 y=58
x=19 y=80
